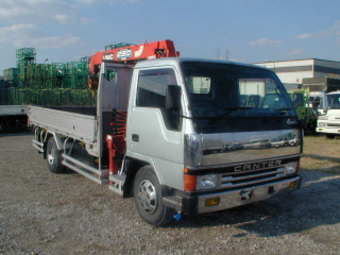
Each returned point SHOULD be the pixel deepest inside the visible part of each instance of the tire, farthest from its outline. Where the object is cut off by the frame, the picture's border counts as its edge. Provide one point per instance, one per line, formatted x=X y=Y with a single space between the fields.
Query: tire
x=53 y=156
x=2 y=126
x=330 y=136
x=148 y=198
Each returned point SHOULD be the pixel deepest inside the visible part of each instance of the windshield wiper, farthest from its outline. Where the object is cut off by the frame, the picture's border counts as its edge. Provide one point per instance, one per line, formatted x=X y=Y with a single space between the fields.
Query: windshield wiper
x=282 y=110
x=229 y=110
x=214 y=118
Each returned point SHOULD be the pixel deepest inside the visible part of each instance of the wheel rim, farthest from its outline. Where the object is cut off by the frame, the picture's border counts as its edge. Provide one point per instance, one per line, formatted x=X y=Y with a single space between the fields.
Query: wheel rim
x=50 y=157
x=147 y=196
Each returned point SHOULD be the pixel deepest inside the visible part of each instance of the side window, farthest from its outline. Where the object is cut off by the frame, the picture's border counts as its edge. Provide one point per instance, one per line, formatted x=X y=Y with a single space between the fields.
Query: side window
x=151 y=92
x=152 y=85
x=297 y=100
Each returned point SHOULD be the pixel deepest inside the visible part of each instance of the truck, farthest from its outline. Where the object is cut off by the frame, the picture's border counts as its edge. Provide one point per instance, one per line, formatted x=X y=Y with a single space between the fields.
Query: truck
x=318 y=101
x=147 y=136
x=300 y=98
x=329 y=124
x=305 y=111
x=13 y=118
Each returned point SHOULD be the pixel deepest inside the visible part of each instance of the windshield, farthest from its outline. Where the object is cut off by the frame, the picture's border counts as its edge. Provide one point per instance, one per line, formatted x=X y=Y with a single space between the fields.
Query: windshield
x=218 y=90
x=333 y=101
x=313 y=99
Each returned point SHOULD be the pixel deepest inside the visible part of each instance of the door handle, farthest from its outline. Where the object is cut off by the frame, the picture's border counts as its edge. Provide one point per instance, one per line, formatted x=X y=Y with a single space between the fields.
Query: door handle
x=135 y=138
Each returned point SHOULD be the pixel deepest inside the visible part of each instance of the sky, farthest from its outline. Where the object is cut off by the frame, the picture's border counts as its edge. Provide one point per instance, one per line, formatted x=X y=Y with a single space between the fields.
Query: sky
x=245 y=31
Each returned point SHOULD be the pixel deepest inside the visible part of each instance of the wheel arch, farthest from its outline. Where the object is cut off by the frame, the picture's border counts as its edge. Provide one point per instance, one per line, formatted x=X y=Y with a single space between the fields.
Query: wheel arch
x=58 y=140
x=131 y=166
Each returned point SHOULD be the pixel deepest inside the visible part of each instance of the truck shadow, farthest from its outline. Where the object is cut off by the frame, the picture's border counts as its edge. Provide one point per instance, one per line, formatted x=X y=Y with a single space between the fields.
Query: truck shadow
x=315 y=204
x=19 y=133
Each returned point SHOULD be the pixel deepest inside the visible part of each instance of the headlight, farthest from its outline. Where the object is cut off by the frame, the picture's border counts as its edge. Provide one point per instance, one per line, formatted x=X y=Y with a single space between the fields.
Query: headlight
x=292 y=168
x=206 y=181
x=321 y=124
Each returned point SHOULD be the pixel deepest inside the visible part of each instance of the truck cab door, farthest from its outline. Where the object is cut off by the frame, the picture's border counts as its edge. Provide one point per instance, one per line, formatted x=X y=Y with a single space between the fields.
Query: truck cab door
x=154 y=132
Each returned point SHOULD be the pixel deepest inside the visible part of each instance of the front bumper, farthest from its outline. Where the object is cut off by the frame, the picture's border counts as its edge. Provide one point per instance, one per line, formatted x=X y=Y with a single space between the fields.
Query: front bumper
x=328 y=130
x=230 y=199
x=193 y=203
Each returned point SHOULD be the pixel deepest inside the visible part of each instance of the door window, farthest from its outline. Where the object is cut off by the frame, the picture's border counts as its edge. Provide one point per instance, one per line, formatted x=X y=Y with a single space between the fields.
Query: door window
x=151 y=92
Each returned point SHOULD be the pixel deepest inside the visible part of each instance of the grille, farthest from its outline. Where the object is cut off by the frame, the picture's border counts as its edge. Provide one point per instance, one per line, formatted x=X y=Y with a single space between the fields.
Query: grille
x=333 y=125
x=238 y=179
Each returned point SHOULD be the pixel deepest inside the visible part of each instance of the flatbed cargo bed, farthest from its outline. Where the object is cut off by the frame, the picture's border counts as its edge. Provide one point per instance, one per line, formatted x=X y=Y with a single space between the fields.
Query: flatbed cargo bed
x=77 y=122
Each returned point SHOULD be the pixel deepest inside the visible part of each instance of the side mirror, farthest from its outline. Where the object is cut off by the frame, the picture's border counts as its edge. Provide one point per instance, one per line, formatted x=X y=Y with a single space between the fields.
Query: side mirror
x=110 y=75
x=173 y=98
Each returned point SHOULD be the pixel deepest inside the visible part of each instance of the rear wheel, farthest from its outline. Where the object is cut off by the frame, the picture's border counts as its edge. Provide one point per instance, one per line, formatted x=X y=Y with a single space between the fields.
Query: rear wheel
x=53 y=156
x=148 y=198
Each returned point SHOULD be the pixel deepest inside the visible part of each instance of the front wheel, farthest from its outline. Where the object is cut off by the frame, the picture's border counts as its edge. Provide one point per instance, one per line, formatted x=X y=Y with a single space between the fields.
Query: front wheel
x=330 y=136
x=53 y=156
x=148 y=198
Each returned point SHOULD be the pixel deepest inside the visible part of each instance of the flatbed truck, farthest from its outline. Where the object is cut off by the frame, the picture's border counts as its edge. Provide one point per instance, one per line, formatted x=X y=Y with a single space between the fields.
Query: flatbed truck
x=149 y=135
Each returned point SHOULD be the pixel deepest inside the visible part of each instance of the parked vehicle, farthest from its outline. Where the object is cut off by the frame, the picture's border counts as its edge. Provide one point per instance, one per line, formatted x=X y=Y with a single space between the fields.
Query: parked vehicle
x=13 y=118
x=329 y=124
x=300 y=99
x=279 y=142
x=154 y=119
x=304 y=110
x=318 y=101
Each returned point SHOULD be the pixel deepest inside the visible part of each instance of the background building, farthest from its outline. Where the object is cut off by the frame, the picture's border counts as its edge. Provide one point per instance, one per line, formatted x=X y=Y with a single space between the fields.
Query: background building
x=293 y=73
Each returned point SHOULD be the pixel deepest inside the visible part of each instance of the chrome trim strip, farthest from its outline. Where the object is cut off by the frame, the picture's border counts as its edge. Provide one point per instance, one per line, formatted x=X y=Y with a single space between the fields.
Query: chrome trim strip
x=252 y=182
x=228 y=177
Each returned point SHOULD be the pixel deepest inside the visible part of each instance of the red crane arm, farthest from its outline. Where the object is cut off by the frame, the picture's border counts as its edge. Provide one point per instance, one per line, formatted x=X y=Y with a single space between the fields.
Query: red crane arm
x=158 y=49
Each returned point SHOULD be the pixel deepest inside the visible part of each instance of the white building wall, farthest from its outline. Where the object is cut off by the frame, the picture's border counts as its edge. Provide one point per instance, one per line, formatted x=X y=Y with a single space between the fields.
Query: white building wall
x=294 y=77
x=310 y=68
x=290 y=77
x=287 y=63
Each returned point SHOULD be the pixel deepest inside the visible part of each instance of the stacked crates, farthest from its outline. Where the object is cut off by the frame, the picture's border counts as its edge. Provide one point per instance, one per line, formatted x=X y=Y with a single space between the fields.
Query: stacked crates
x=117 y=46
x=25 y=62
x=26 y=55
x=46 y=84
x=10 y=74
x=77 y=73
x=40 y=77
x=55 y=75
x=30 y=74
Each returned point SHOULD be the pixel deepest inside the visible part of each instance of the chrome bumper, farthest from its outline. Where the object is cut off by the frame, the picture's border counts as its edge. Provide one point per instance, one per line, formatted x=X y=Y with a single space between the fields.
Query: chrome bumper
x=328 y=130
x=230 y=199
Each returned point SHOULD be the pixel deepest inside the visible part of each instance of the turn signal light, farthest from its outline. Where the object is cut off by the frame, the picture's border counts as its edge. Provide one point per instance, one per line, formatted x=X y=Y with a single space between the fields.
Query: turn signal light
x=189 y=182
x=293 y=184
x=212 y=201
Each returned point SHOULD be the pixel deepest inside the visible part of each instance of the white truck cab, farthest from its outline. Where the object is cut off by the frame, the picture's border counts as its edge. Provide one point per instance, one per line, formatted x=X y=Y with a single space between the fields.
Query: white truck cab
x=329 y=124
x=318 y=99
